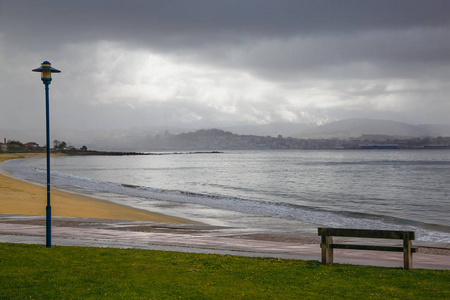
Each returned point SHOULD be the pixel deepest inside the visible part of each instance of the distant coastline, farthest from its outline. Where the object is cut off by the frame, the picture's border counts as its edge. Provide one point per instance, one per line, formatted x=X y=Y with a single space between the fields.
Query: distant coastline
x=121 y=153
x=215 y=140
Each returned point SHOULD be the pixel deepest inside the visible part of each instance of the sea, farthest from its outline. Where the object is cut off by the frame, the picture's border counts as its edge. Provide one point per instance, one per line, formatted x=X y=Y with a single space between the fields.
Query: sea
x=290 y=191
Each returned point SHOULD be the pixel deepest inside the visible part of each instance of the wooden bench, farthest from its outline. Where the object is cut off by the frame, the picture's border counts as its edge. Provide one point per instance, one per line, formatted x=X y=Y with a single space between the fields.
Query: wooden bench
x=327 y=244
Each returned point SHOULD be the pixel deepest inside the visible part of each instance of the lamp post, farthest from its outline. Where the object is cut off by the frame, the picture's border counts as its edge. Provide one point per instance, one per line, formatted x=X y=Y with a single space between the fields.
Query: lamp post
x=46 y=76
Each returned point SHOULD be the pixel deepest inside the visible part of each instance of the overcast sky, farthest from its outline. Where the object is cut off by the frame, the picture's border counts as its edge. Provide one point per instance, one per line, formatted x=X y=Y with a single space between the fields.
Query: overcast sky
x=219 y=63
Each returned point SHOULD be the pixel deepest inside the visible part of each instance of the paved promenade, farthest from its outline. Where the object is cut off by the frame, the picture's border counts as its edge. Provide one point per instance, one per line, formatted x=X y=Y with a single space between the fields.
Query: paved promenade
x=201 y=239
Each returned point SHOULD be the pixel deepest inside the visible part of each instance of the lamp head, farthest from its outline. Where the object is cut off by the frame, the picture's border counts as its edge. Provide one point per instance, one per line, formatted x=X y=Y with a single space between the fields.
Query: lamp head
x=46 y=72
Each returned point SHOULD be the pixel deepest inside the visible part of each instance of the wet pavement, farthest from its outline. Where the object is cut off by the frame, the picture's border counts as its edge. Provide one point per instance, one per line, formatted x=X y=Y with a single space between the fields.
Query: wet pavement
x=203 y=239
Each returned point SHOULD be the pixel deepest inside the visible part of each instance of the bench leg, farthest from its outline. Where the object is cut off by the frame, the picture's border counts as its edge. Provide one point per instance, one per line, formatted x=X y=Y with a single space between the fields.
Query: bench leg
x=407 y=253
x=327 y=251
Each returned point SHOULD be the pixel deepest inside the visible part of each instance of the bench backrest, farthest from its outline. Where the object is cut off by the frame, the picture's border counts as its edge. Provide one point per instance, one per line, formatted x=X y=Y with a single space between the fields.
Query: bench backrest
x=367 y=233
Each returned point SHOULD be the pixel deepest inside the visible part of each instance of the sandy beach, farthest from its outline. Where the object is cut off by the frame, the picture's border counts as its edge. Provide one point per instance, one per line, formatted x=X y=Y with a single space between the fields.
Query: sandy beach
x=19 y=197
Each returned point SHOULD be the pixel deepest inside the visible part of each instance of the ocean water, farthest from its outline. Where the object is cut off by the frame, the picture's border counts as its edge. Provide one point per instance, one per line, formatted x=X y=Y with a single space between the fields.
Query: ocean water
x=289 y=191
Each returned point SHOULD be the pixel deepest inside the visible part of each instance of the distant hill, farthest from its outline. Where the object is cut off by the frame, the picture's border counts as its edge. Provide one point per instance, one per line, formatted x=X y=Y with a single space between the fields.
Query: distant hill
x=354 y=128
x=351 y=128
x=436 y=130
x=273 y=129
x=140 y=139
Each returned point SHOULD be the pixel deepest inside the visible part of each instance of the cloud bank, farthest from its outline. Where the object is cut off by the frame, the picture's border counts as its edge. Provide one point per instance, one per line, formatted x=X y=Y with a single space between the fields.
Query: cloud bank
x=220 y=63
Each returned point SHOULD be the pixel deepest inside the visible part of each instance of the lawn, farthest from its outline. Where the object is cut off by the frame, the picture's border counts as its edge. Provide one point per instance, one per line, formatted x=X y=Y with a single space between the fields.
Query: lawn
x=36 y=272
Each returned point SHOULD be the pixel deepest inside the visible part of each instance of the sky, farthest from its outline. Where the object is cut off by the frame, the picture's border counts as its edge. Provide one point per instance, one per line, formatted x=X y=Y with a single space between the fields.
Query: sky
x=202 y=64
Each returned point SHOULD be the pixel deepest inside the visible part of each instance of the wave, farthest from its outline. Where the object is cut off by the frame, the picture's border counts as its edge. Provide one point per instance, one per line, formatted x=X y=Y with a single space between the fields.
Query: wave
x=288 y=211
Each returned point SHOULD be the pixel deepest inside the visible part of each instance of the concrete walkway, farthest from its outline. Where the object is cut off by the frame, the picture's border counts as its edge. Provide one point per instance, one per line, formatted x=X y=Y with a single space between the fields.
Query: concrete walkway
x=199 y=239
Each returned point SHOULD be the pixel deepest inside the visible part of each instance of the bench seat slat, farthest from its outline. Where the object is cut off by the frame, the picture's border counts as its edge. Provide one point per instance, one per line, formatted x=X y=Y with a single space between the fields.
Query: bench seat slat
x=366 y=233
x=370 y=247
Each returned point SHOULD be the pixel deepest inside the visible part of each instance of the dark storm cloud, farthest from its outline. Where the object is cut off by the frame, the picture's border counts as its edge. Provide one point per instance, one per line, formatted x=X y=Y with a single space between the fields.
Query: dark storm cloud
x=180 y=22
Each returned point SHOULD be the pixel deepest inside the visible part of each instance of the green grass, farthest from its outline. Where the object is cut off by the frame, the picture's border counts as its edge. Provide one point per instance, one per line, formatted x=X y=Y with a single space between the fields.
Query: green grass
x=36 y=272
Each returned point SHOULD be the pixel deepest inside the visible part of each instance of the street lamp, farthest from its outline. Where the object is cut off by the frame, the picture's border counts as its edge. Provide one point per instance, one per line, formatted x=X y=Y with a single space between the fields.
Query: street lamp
x=46 y=76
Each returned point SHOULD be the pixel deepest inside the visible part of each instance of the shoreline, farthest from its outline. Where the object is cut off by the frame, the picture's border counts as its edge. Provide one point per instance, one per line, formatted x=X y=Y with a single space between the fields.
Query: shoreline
x=22 y=197
x=102 y=223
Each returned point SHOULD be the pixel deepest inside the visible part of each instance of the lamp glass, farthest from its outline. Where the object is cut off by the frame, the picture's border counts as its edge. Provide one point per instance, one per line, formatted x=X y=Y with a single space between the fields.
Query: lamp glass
x=46 y=74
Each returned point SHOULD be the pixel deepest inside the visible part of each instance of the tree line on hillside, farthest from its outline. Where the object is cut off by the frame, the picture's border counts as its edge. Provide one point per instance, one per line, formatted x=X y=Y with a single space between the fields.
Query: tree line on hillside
x=216 y=139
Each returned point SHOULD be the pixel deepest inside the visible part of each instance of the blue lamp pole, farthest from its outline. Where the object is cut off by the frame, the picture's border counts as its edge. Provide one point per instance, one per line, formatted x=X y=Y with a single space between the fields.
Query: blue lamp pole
x=46 y=76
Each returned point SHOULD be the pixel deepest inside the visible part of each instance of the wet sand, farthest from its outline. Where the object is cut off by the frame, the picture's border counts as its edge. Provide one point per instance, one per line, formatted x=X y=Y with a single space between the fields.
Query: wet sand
x=193 y=239
x=20 y=197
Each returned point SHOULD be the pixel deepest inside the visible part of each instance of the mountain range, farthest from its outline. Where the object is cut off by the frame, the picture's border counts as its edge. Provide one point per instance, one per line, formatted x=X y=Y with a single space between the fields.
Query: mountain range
x=344 y=129
x=129 y=139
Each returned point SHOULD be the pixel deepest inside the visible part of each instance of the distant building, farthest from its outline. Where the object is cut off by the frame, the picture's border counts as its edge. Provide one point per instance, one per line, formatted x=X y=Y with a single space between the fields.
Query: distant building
x=31 y=145
x=4 y=146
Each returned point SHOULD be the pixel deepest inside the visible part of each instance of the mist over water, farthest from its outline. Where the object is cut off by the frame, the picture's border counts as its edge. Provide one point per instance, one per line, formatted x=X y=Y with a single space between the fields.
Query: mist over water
x=282 y=190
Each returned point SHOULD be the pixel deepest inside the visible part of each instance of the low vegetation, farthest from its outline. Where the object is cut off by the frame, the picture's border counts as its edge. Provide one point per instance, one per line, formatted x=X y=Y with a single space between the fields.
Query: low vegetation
x=18 y=147
x=36 y=272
